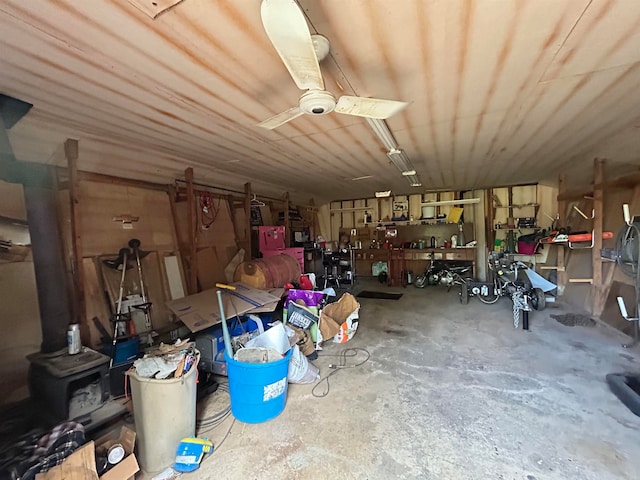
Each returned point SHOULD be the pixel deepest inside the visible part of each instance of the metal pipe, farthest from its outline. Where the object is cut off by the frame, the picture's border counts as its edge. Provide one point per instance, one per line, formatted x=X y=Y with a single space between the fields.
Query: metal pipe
x=49 y=268
x=225 y=328
x=227 y=190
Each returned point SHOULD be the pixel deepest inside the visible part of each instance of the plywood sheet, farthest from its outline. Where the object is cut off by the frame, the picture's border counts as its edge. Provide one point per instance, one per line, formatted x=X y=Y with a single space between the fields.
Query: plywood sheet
x=174 y=276
x=20 y=331
x=12 y=201
x=101 y=203
x=220 y=232
x=210 y=267
x=96 y=300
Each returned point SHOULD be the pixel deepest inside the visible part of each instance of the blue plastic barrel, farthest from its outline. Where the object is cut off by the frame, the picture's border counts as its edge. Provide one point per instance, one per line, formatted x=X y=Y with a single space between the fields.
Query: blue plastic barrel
x=258 y=391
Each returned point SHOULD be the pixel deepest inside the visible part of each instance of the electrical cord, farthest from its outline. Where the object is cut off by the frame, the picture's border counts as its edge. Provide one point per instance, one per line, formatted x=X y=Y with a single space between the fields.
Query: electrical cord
x=206 y=424
x=343 y=355
x=210 y=422
x=226 y=435
x=209 y=211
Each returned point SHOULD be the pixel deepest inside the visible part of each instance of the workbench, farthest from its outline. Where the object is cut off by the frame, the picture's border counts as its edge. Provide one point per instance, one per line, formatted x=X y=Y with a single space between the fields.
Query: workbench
x=416 y=259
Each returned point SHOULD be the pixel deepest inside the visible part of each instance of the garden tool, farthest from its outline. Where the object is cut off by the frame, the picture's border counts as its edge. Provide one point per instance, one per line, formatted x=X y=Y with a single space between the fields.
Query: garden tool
x=145 y=306
x=121 y=264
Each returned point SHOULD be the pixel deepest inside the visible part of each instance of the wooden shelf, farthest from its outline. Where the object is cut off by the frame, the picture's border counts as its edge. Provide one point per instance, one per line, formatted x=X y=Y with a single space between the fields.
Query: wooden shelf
x=462 y=201
x=532 y=205
x=517 y=228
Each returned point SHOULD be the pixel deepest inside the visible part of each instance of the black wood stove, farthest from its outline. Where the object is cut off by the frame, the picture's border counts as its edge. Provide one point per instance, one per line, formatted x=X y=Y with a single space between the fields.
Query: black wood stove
x=68 y=386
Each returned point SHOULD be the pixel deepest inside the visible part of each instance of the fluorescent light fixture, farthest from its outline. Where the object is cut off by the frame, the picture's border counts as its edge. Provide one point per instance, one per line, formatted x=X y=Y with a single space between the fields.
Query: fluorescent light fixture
x=382 y=131
x=400 y=160
x=364 y=177
x=414 y=180
x=408 y=173
x=383 y=194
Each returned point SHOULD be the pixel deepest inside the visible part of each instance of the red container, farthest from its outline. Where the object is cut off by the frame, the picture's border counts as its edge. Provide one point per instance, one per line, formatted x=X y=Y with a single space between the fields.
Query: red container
x=271 y=237
x=526 y=248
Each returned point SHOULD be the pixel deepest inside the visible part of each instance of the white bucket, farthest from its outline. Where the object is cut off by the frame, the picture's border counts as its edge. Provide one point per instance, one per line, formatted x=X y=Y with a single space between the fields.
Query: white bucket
x=428 y=212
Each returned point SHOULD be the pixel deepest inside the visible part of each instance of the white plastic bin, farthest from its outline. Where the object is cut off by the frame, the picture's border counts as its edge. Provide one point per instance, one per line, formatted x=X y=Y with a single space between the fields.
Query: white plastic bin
x=164 y=413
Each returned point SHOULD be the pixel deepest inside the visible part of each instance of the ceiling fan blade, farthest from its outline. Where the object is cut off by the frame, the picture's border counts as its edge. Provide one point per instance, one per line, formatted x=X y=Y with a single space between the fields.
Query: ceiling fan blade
x=287 y=29
x=369 y=107
x=281 y=118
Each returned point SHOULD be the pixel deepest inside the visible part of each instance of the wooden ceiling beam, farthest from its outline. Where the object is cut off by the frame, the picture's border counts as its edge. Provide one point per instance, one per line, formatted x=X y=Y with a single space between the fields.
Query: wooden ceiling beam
x=624 y=182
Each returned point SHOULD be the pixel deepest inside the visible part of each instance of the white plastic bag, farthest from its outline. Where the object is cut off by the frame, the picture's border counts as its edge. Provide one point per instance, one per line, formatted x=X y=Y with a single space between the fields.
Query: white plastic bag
x=300 y=370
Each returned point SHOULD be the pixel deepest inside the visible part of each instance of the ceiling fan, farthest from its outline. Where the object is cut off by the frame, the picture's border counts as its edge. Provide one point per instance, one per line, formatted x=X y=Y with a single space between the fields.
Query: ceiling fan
x=301 y=52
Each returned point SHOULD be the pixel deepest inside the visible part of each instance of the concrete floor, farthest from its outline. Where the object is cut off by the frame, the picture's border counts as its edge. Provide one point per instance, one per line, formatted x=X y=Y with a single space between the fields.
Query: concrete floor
x=451 y=392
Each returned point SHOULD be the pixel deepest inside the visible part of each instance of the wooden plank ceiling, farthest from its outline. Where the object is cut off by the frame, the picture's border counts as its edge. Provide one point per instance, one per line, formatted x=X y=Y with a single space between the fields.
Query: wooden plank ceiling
x=500 y=91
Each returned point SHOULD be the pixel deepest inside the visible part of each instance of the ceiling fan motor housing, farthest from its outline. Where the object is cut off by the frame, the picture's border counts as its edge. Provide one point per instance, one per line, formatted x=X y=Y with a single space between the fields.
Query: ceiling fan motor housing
x=317 y=102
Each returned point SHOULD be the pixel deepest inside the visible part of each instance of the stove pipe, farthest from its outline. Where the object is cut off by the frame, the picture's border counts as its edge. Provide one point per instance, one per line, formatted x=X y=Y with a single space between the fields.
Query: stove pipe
x=51 y=277
x=42 y=215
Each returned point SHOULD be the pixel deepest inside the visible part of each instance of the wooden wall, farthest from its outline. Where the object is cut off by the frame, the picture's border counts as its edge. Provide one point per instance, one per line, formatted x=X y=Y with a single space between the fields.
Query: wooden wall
x=102 y=237
x=622 y=285
x=579 y=263
x=20 y=332
x=161 y=225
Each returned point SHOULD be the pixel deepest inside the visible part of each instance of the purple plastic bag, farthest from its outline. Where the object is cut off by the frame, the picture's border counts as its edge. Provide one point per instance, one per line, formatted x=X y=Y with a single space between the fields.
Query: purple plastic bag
x=310 y=298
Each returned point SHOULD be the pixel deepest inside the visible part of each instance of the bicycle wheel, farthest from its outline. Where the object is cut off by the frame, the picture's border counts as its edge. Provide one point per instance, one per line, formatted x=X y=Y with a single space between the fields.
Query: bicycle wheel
x=464 y=293
x=420 y=281
x=538 y=300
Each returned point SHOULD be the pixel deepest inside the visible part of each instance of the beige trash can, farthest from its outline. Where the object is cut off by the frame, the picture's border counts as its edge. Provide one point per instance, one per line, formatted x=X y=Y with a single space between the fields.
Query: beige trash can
x=164 y=413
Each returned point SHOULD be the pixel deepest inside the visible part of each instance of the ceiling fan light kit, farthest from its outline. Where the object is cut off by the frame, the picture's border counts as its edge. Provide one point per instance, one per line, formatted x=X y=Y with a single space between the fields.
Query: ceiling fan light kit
x=317 y=102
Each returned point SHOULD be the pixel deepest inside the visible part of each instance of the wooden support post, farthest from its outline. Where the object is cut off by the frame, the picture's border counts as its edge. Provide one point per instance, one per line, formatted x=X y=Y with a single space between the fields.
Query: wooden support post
x=79 y=305
x=490 y=233
x=634 y=205
x=247 y=210
x=193 y=225
x=287 y=223
x=562 y=218
x=172 y=192
x=315 y=223
x=598 y=289
x=232 y=215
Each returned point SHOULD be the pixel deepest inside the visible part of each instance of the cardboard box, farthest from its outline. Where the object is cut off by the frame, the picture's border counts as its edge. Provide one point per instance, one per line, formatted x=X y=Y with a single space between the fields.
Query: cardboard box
x=201 y=310
x=128 y=466
x=81 y=464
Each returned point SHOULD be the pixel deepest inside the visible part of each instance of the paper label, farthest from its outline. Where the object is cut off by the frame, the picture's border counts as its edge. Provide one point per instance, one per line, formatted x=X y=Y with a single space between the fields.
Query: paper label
x=274 y=390
x=189 y=459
